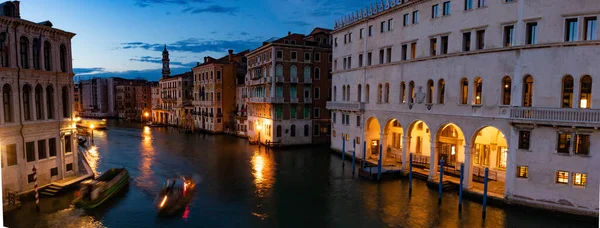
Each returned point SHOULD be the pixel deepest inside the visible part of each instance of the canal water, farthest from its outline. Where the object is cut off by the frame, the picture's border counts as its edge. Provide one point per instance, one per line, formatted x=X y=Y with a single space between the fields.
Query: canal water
x=240 y=185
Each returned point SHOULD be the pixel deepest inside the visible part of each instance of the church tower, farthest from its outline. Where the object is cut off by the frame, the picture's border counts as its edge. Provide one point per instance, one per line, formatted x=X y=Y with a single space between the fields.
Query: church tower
x=165 y=60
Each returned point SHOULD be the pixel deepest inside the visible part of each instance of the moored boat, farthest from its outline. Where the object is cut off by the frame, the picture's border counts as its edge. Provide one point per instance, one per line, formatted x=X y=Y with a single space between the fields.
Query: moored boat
x=95 y=192
x=87 y=123
x=175 y=196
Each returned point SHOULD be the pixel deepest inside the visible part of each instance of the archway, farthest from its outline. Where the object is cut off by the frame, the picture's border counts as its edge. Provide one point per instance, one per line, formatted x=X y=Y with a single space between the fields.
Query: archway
x=372 y=138
x=419 y=145
x=450 y=142
x=489 y=149
x=393 y=134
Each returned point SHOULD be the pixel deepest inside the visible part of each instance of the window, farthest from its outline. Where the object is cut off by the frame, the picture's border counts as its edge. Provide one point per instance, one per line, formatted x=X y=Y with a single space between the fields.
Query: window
x=370 y=30
x=582 y=144
x=36 y=53
x=480 y=39
x=571 y=29
x=430 y=91
x=52 y=147
x=361 y=34
x=468 y=4
x=509 y=35
x=585 y=98
x=382 y=27
x=4 y=50
x=527 y=91
x=369 y=58
x=293 y=72
x=386 y=98
x=411 y=92
x=379 y=93
x=27 y=102
x=357 y=122
x=317 y=57
x=306 y=130
x=316 y=130
x=522 y=171
x=381 y=53
x=349 y=62
x=347 y=116
x=564 y=143
x=467 y=41
x=444 y=45
x=415 y=17
x=562 y=177
x=406 y=20
x=413 y=50
x=24 y=52
x=404 y=51
x=432 y=46
x=219 y=75
x=294 y=56
x=389 y=55
x=47 y=58
x=464 y=91
x=367 y=93
x=434 y=11
x=360 y=60
x=11 y=154
x=567 y=92
x=65 y=101
x=390 y=25
x=349 y=37
x=279 y=54
x=482 y=3
x=441 y=91
x=42 y=149
x=477 y=83
x=54 y=172
x=590 y=31
x=68 y=142
x=506 y=87
x=531 y=33
x=278 y=131
x=30 y=151
x=317 y=93
x=579 y=179
x=524 y=138
x=317 y=74
x=69 y=167
x=348 y=93
x=358 y=94
x=343 y=119
x=316 y=113
x=446 y=9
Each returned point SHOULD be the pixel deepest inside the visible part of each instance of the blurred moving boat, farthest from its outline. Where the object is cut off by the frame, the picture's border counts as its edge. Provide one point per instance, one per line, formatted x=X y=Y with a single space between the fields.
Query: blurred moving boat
x=87 y=123
x=151 y=124
x=175 y=196
x=95 y=192
x=81 y=140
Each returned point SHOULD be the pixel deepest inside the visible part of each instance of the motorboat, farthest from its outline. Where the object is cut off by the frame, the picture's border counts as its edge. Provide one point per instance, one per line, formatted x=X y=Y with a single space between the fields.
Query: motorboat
x=95 y=192
x=88 y=123
x=175 y=196
x=151 y=124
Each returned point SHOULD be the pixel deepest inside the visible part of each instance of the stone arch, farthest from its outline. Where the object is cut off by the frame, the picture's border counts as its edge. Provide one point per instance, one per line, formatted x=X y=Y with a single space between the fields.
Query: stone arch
x=489 y=148
x=450 y=145
x=372 y=136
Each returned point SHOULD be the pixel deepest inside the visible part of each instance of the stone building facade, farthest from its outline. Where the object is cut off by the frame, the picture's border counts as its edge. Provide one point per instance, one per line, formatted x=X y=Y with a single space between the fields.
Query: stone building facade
x=504 y=85
x=175 y=96
x=133 y=99
x=36 y=115
x=288 y=83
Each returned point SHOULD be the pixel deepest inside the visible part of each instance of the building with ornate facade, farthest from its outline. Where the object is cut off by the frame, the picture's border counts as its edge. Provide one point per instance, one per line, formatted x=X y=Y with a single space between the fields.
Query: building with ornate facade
x=241 y=107
x=214 y=92
x=36 y=116
x=175 y=96
x=503 y=85
x=288 y=83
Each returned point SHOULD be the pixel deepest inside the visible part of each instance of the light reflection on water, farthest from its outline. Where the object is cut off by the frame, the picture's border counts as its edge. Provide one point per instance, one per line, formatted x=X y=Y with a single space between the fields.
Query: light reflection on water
x=263 y=170
x=147 y=155
x=93 y=157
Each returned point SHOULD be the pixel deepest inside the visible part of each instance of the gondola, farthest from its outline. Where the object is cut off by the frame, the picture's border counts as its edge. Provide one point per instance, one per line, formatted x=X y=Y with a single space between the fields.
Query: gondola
x=95 y=192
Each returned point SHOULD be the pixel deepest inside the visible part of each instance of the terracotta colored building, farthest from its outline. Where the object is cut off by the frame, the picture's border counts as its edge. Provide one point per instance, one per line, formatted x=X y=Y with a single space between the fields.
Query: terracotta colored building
x=133 y=99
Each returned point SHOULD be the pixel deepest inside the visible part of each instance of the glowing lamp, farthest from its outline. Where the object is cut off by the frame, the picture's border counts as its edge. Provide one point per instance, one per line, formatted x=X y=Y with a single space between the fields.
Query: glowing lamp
x=92 y=126
x=583 y=103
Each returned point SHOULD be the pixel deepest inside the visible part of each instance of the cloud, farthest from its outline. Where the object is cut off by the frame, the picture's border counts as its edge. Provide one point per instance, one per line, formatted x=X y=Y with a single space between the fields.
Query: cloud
x=157 y=60
x=150 y=74
x=215 y=9
x=194 y=45
x=146 y=3
x=83 y=71
x=244 y=33
x=297 y=23
x=325 y=8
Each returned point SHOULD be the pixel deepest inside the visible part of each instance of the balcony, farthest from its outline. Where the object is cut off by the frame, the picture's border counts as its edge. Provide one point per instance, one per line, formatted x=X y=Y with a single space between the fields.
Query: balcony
x=346 y=106
x=294 y=100
x=274 y=100
x=555 y=115
x=307 y=100
x=257 y=99
x=307 y=81
x=279 y=79
x=294 y=80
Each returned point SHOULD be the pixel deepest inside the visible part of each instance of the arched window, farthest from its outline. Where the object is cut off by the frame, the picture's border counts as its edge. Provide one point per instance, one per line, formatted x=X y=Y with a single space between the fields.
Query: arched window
x=4 y=49
x=317 y=94
x=379 y=92
x=27 y=102
x=358 y=95
x=36 y=53
x=464 y=91
x=47 y=58
x=367 y=93
x=411 y=92
x=567 y=92
x=306 y=72
x=506 y=87
x=63 y=58
x=317 y=73
x=306 y=130
x=402 y=92
x=430 y=91
x=264 y=73
x=24 y=51
x=348 y=93
x=478 y=85
x=441 y=91
x=585 y=98
x=278 y=130
x=279 y=71
x=50 y=102
x=334 y=93
x=528 y=91
x=343 y=93
x=293 y=130
x=293 y=72
x=39 y=98
x=7 y=102
x=387 y=93
x=66 y=107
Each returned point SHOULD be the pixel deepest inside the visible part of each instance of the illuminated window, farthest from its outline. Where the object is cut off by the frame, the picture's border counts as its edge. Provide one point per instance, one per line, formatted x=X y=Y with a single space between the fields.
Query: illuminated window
x=582 y=144
x=441 y=91
x=564 y=143
x=579 y=179
x=567 y=92
x=502 y=157
x=464 y=91
x=522 y=171
x=585 y=99
x=524 y=140
x=506 y=86
x=478 y=90
x=562 y=177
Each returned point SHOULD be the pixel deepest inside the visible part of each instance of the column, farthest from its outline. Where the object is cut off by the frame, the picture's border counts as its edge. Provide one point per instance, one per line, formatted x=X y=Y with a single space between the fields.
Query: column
x=382 y=141
x=405 y=152
x=468 y=176
x=433 y=159
x=511 y=163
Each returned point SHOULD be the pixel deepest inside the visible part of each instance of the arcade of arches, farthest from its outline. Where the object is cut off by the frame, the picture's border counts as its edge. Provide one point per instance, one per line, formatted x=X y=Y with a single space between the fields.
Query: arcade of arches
x=488 y=148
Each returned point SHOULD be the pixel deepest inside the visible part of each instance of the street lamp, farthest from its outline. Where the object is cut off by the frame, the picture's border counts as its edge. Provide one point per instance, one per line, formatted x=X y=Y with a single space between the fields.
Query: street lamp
x=92 y=128
x=258 y=127
x=146 y=115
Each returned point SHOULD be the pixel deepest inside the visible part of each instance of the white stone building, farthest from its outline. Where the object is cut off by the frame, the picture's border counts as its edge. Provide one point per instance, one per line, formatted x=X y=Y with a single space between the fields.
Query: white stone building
x=175 y=94
x=36 y=115
x=97 y=97
x=501 y=84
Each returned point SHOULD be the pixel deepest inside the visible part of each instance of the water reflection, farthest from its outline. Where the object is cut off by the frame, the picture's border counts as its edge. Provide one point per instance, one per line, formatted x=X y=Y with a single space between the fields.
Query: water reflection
x=263 y=170
x=147 y=154
x=93 y=157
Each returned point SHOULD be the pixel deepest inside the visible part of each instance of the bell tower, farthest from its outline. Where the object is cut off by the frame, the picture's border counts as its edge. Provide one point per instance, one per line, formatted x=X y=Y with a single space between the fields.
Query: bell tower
x=166 y=72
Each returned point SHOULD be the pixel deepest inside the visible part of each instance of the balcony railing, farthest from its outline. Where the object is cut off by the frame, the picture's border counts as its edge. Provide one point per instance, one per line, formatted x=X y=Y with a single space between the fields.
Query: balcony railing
x=555 y=115
x=293 y=100
x=274 y=99
x=279 y=79
x=294 y=80
x=307 y=100
x=258 y=99
x=347 y=106
x=307 y=80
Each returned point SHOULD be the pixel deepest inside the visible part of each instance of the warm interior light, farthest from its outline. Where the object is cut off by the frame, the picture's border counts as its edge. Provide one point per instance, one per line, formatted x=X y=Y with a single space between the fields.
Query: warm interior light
x=505 y=85
x=453 y=150
x=146 y=114
x=92 y=126
x=583 y=103
x=163 y=202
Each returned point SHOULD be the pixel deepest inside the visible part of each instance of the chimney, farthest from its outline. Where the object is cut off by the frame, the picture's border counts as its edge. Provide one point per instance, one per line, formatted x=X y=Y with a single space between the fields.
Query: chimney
x=197 y=63
x=289 y=33
x=205 y=59
x=230 y=55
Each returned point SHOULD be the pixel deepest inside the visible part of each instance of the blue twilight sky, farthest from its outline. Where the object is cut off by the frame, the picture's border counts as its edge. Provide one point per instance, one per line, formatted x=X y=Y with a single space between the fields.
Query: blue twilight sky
x=124 y=38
